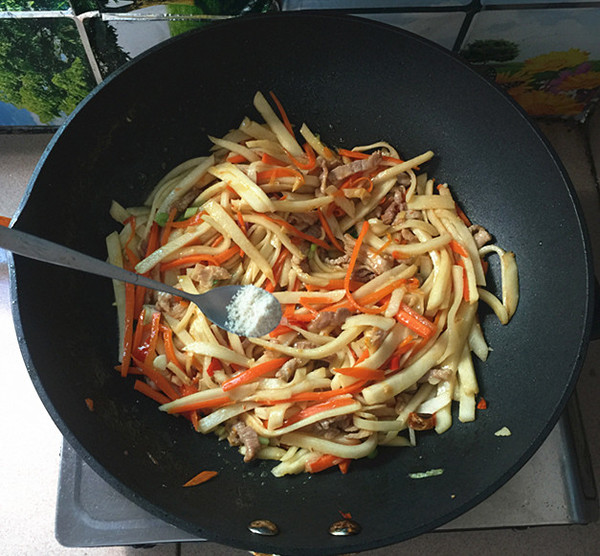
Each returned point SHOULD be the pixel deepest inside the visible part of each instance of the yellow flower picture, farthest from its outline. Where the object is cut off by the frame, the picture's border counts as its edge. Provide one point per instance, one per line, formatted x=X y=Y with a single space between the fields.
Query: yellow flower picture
x=557 y=83
x=589 y=80
x=541 y=103
x=555 y=61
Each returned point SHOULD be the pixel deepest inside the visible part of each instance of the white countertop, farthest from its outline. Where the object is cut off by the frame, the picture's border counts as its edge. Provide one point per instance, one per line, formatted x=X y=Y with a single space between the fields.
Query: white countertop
x=31 y=443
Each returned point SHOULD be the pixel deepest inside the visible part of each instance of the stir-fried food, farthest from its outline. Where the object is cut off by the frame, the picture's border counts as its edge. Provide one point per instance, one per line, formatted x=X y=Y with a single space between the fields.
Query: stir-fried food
x=378 y=271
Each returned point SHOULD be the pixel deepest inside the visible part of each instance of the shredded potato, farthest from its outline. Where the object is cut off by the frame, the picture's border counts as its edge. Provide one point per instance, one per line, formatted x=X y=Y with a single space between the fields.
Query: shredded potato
x=378 y=271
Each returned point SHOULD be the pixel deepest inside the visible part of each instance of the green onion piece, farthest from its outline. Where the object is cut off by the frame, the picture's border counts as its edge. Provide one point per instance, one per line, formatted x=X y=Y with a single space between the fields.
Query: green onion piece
x=189 y=212
x=161 y=218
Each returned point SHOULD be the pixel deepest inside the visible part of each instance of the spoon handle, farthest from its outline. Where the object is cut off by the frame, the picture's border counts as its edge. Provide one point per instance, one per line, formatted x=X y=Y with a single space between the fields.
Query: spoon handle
x=46 y=251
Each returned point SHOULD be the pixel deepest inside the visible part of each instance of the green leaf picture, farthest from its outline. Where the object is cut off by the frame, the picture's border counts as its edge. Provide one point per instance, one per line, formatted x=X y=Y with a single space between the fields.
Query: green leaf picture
x=44 y=68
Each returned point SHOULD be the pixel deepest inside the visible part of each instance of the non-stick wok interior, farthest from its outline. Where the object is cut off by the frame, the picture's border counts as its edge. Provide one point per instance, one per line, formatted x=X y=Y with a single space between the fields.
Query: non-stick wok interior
x=353 y=82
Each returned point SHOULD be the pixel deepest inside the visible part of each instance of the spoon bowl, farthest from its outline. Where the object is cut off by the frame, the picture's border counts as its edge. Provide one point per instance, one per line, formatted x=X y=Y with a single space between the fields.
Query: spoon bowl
x=217 y=304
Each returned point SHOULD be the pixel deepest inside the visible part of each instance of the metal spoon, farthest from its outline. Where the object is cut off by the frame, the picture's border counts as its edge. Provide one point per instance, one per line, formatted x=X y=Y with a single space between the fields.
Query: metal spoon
x=214 y=304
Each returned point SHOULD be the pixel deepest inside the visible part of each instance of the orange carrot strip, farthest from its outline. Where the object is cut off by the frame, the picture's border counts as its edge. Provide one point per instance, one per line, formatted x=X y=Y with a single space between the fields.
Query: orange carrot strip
x=279 y=330
x=344 y=466
x=317 y=408
x=482 y=404
x=147 y=390
x=384 y=246
x=139 y=329
x=394 y=363
x=311 y=309
x=253 y=373
x=188 y=389
x=164 y=237
x=363 y=373
x=5 y=221
x=320 y=396
x=235 y=158
x=357 y=182
x=361 y=236
x=284 y=117
x=325 y=462
x=204 y=404
x=338 y=284
x=297 y=232
x=202 y=477
x=191 y=221
x=343 y=304
x=300 y=317
x=279 y=172
x=354 y=181
x=140 y=296
x=365 y=353
x=240 y=219
x=170 y=347
x=466 y=293
x=142 y=333
x=311 y=158
x=357 y=154
x=377 y=295
x=289 y=309
x=220 y=258
x=152 y=239
x=404 y=345
x=278 y=265
x=462 y=215
x=415 y=321
x=128 y=335
x=214 y=365
x=271 y=160
x=328 y=231
x=193 y=416
x=188 y=260
x=458 y=249
x=217 y=241
x=270 y=287
x=132 y=258
x=158 y=379
x=153 y=338
x=352 y=154
x=316 y=300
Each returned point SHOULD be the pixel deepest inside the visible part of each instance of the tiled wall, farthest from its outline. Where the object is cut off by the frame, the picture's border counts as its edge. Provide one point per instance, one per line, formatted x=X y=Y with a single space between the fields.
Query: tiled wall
x=53 y=52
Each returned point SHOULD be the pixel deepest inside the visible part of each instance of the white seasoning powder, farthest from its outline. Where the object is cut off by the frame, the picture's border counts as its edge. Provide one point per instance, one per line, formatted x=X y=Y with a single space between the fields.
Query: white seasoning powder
x=252 y=312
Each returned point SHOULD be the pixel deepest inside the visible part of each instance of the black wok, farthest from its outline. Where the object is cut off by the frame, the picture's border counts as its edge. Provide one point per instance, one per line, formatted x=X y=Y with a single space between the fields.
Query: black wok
x=353 y=82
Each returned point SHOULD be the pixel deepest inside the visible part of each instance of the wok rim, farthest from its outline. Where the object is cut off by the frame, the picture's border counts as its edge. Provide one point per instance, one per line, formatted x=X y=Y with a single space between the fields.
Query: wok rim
x=348 y=543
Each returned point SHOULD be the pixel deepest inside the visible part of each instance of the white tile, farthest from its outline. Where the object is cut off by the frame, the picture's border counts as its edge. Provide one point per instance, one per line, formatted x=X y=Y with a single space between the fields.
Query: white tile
x=18 y=156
